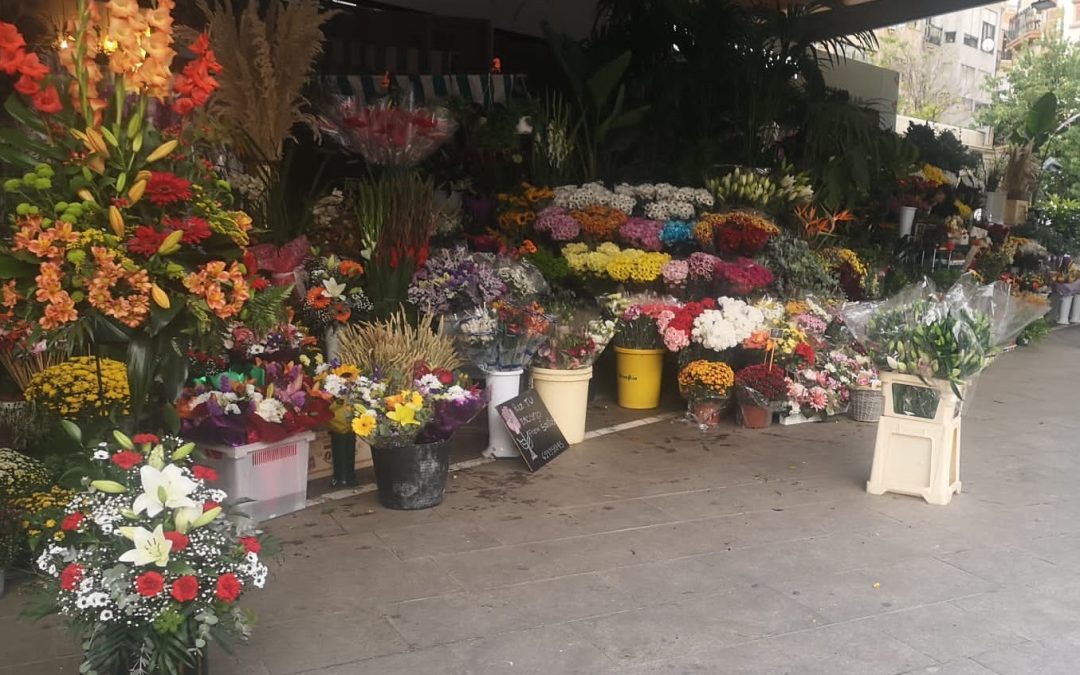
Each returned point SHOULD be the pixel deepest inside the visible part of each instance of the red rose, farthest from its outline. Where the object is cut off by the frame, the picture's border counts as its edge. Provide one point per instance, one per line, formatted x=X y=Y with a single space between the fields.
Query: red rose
x=47 y=101
x=207 y=505
x=149 y=584
x=204 y=473
x=71 y=576
x=72 y=522
x=126 y=459
x=228 y=587
x=185 y=588
x=179 y=541
x=145 y=438
x=250 y=544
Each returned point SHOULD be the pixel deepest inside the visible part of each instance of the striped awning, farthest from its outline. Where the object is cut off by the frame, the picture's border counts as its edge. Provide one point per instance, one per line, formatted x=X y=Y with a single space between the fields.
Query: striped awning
x=483 y=89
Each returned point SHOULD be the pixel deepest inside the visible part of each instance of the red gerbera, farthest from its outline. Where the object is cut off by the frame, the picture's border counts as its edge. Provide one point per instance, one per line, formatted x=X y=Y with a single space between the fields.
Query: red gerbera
x=204 y=473
x=165 y=188
x=195 y=229
x=149 y=584
x=250 y=544
x=71 y=576
x=228 y=587
x=179 y=541
x=146 y=241
x=72 y=522
x=185 y=588
x=126 y=459
x=145 y=438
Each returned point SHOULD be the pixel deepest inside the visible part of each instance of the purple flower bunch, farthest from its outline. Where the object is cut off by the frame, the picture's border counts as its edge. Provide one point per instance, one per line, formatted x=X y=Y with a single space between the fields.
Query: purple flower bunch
x=702 y=266
x=557 y=223
x=642 y=233
x=453 y=280
x=675 y=273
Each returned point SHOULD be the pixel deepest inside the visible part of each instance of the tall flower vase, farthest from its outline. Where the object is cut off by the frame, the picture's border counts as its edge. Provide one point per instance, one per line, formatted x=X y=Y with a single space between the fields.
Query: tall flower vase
x=343 y=454
x=1065 y=309
x=502 y=385
x=907 y=221
x=639 y=372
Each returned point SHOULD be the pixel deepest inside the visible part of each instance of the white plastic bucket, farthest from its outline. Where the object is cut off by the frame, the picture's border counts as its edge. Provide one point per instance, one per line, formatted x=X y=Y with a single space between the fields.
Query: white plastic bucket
x=565 y=393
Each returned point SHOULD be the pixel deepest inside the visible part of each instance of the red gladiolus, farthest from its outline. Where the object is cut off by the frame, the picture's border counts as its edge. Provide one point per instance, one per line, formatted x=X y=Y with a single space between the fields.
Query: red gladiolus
x=72 y=522
x=149 y=584
x=12 y=47
x=71 y=576
x=204 y=473
x=250 y=544
x=47 y=101
x=166 y=188
x=179 y=541
x=126 y=459
x=145 y=438
x=32 y=68
x=185 y=589
x=228 y=587
x=27 y=86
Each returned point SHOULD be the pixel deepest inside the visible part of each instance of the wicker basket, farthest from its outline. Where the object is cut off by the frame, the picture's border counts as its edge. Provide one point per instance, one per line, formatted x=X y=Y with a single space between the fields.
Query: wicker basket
x=866 y=405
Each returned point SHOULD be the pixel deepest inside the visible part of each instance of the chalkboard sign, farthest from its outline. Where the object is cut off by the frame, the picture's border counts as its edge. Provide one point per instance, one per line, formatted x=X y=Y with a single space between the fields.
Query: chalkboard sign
x=537 y=437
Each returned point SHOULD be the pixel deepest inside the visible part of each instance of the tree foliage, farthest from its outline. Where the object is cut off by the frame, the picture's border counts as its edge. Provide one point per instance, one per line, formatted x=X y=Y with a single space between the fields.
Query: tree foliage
x=924 y=93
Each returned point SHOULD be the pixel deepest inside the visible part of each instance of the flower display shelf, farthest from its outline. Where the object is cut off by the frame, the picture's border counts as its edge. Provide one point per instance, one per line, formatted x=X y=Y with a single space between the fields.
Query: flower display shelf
x=917 y=451
x=273 y=475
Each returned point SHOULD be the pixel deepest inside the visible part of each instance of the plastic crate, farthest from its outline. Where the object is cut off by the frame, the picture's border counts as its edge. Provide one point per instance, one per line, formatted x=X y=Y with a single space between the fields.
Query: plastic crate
x=273 y=475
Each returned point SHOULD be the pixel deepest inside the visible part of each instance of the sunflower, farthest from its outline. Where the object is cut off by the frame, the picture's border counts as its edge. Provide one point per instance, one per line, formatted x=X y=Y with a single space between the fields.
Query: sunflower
x=347 y=371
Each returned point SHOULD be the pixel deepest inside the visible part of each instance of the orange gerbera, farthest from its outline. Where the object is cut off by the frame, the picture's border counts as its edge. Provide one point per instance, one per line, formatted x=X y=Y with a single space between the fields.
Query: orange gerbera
x=350 y=268
x=342 y=313
x=317 y=298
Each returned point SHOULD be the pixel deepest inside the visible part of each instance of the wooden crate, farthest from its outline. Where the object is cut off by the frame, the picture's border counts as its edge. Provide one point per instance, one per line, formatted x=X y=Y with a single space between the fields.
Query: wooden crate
x=320 y=464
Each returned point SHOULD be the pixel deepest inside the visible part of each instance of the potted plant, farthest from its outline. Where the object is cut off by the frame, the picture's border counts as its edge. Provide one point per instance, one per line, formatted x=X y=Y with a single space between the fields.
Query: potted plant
x=759 y=388
x=409 y=420
x=707 y=388
x=562 y=369
x=19 y=476
x=150 y=569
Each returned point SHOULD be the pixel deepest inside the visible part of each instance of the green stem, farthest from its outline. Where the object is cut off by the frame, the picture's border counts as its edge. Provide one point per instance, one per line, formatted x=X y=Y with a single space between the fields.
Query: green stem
x=80 y=56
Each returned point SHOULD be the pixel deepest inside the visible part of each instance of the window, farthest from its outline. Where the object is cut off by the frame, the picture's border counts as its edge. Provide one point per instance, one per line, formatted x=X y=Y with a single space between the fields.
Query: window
x=989 y=31
x=971 y=41
x=950 y=36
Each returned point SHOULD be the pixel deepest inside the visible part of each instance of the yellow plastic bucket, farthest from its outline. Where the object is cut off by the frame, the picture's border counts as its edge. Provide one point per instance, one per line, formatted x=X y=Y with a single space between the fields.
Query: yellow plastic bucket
x=638 y=372
x=565 y=393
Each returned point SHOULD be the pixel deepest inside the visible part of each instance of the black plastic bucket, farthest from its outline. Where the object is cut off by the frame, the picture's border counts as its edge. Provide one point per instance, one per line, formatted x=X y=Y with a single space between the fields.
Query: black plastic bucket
x=411 y=477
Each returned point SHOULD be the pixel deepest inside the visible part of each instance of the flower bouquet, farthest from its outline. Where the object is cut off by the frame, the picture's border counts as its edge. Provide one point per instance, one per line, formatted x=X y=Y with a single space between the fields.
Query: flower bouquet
x=389 y=133
x=453 y=281
x=574 y=349
x=335 y=294
x=265 y=404
x=706 y=385
x=282 y=343
x=742 y=277
x=726 y=325
x=760 y=389
x=149 y=570
x=740 y=233
x=502 y=336
x=122 y=232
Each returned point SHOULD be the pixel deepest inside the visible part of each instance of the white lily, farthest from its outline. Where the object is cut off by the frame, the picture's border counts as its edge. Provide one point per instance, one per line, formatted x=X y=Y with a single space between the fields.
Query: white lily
x=150 y=547
x=184 y=517
x=163 y=488
x=334 y=288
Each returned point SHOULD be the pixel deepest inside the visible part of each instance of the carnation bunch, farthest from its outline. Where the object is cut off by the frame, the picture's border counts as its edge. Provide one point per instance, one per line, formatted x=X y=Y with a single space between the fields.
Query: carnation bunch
x=676 y=325
x=742 y=233
x=742 y=276
x=763 y=384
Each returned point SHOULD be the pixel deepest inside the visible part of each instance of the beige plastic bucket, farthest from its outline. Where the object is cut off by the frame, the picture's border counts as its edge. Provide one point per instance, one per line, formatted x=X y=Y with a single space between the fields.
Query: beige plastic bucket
x=565 y=393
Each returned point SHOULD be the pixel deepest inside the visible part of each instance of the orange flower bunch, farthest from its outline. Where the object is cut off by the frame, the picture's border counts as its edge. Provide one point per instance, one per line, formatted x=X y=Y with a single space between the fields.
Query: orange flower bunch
x=350 y=269
x=762 y=339
x=211 y=281
x=813 y=224
x=599 y=222
x=534 y=194
x=515 y=219
x=138 y=43
x=527 y=248
x=14 y=59
x=30 y=236
x=131 y=309
x=59 y=305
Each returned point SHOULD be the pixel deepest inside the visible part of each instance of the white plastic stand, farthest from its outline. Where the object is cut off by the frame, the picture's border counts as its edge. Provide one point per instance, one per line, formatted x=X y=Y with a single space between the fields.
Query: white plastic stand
x=502 y=386
x=913 y=455
x=907 y=221
x=1065 y=309
x=1074 y=313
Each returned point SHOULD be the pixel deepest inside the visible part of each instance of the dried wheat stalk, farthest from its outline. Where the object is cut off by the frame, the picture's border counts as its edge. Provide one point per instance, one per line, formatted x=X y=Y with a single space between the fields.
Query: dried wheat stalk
x=394 y=346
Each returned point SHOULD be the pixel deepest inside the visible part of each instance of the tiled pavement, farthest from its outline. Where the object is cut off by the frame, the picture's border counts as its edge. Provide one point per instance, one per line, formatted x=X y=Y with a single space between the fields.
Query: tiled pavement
x=665 y=550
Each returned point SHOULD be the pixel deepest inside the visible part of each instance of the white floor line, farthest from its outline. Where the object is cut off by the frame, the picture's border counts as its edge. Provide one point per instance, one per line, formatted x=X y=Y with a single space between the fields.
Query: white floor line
x=470 y=463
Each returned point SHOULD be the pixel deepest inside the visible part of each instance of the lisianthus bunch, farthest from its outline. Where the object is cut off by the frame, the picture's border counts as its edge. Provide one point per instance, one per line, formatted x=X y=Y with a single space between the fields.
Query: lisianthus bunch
x=677 y=233
x=706 y=379
x=454 y=280
x=335 y=294
x=726 y=325
x=389 y=133
x=573 y=197
x=743 y=233
x=642 y=233
x=264 y=403
x=502 y=335
x=763 y=384
x=281 y=343
x=599 y=223
x=677 y=324
x=120 y=226
x=557 y=223
x=150 y=569
x=742 y=276
x=83 y=388
x=574 y=348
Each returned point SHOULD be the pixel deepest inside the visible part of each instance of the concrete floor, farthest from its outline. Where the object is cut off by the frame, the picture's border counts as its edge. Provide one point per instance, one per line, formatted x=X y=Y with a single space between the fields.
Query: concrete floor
x=665 y=550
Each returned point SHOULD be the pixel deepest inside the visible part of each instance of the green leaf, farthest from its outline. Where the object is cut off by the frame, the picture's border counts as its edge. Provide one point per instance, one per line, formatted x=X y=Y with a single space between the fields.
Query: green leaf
x=12 y=268
x=23 y=115
x=1042 y=117
x=630 y=118
x=606 y=78
x=140 y=367
x=17 y=138
x=161 y=318
x=72 y=430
